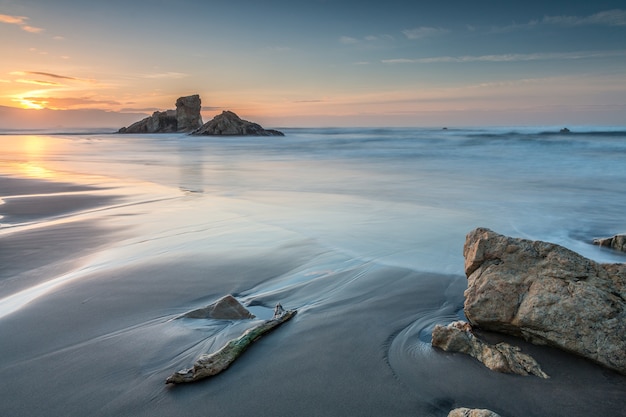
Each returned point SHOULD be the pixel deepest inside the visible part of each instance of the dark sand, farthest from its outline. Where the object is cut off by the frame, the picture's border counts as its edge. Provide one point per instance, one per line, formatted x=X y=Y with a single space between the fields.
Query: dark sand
x=103 y=344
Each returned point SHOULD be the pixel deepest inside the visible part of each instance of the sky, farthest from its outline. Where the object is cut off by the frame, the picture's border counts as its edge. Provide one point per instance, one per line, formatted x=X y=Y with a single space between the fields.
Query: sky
x=318 y=62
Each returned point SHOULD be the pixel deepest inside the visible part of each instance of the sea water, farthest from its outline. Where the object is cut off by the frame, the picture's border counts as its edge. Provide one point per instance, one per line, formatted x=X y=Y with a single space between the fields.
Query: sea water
x=399 y=196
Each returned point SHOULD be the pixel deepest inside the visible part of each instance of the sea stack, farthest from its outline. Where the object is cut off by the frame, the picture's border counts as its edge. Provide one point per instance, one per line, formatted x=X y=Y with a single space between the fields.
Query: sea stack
x=188 y=115
x=185 y=118
x=229 y=124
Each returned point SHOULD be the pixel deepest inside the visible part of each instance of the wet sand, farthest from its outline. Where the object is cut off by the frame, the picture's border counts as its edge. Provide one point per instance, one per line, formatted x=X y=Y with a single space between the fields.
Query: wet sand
x=103 y=342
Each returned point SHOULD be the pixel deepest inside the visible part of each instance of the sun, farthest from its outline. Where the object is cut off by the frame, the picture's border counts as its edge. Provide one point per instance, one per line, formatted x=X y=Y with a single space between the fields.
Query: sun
x=28 y=104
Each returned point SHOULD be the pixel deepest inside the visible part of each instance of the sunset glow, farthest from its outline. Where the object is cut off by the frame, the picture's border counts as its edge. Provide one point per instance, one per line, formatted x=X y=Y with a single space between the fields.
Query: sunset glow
x=28 y=104
x=401 y=64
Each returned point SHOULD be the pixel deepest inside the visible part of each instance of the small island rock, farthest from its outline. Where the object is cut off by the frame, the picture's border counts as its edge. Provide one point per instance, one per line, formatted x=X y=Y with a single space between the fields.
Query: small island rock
x=229 y=124
x=546 y=294
x=185 y=118
x=617 y=242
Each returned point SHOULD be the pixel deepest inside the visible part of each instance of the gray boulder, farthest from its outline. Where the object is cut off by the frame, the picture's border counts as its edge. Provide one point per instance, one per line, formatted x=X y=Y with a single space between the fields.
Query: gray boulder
x=226 y=308
x=229 y=124
x=617 y=242
x=546 y=294
x=185 y=118
x=502 y=357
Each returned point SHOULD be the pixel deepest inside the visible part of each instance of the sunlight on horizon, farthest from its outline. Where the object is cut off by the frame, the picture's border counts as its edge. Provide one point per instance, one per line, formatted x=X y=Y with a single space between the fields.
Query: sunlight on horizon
x=29 y=104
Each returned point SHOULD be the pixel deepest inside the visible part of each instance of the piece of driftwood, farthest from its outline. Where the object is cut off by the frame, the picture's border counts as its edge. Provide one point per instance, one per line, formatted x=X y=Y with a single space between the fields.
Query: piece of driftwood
x=212 y=364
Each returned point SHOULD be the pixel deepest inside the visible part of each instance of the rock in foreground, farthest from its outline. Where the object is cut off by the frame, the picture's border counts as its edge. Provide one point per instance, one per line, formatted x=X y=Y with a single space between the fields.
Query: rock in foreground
x=458 y=337
x=226 y=308
x=229 y=124
x=548 y=295
x=185 y=118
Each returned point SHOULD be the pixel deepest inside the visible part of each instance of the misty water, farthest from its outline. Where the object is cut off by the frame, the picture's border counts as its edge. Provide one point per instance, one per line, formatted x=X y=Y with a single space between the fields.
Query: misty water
x=343 y=224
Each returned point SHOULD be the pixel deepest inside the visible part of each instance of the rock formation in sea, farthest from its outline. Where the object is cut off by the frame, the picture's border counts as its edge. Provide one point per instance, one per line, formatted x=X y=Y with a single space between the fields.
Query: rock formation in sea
x=617 y=242
x=185 y=118
x=229 y=124
x=226 y=308
x=472 y=412
x=546 y=294
x=502 y=357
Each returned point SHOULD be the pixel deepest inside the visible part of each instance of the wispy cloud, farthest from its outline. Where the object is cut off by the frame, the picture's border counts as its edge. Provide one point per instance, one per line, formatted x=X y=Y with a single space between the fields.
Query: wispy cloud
x=614 y=17
x=369 y=39
x=49 y=75
x=508 y=57
x=424 y=32
x=348 y=40
x=32 y=29
x=38 y=82
x=275 y=49
x=21 y=22
x=310 y=101
x=13 y=20
x=166 y=75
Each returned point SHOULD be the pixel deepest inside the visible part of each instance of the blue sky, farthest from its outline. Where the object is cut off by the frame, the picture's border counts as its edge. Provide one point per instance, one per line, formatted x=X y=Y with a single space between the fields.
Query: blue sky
x=323 y=62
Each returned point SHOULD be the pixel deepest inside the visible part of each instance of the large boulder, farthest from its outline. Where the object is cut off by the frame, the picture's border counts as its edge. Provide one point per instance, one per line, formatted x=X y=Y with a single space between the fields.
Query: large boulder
x=185 y=118
x=229 y=124
x=546 y=294
x=502 y=357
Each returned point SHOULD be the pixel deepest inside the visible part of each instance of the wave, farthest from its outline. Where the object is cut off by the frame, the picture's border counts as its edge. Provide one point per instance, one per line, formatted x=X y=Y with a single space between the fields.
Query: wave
x=549 y=133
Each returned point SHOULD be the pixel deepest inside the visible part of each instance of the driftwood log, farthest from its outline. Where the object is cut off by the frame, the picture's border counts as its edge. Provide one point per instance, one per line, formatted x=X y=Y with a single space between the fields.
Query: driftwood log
x=211 y=364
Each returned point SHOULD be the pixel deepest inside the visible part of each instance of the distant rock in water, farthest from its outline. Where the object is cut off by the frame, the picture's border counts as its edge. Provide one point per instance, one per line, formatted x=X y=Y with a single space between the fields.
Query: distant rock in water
x=617 y=242
x=185 y=118
x=229 y=124
x=188 y=115
x=546 y=294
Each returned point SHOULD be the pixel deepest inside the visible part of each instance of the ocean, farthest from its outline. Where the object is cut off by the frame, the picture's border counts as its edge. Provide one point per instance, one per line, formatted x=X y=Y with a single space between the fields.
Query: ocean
x=107 y=239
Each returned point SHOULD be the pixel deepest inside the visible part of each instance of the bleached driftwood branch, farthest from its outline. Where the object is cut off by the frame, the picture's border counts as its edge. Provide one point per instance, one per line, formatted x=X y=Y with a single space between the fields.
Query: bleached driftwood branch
x=212 y=364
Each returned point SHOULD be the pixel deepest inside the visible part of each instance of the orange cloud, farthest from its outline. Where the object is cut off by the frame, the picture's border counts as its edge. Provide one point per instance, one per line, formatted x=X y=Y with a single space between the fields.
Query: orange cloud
x=37 y=82
x=13 y=20
x=32 y=29
x=21 y=22
x=50 y=75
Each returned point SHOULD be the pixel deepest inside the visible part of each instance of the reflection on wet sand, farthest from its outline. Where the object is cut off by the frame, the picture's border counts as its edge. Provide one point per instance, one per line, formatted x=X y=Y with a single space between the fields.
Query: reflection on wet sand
x=191 y=166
